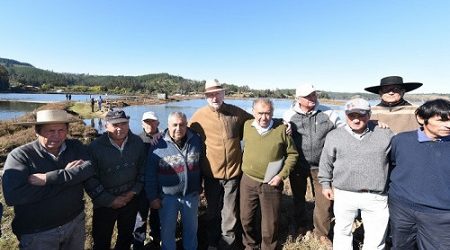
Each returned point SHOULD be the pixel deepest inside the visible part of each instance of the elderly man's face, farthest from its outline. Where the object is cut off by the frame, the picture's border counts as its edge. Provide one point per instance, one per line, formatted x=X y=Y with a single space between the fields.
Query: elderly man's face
x=177 y=127
x=391 y=93
x=117 y=131
x=52 y=136
x=263 y=113
x=308 y=103
x=150 y=126
x=357 y=122
x=215 y=99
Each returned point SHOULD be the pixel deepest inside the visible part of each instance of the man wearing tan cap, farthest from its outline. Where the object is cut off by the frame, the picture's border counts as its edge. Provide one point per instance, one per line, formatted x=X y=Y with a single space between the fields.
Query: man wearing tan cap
x=220 y=126
x=43 y=180
x=353 y=172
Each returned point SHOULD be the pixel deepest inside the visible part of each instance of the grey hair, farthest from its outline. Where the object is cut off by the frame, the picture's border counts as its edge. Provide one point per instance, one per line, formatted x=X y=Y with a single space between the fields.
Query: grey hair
x=264 y=100
x=176 y=114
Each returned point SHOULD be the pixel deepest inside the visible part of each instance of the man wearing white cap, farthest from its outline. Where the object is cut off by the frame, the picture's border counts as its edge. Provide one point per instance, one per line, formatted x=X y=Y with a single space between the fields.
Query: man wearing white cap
x=43 y=180
x=310 y=124
x=353 y=172
x=150 y=136
x=220 y=126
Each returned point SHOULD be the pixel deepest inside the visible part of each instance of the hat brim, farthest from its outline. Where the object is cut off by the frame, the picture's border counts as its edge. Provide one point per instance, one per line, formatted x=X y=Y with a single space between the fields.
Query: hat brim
x=408 y=86
x=214 y=90
x=119 y=120
x=359 y=111
x=47 y=122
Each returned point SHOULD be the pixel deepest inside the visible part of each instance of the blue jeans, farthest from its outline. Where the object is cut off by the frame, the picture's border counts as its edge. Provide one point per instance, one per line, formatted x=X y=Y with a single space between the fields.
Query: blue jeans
x=168 y=214
x=69 y=236
x=412 y=229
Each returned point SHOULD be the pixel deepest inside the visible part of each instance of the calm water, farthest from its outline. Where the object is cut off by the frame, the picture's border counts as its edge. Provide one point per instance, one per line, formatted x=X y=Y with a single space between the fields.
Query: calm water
x=19 y=104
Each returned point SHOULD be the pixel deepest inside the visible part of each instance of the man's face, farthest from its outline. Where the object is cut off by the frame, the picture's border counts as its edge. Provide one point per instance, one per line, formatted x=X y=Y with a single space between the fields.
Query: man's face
x=391 y=93
x=307 y=103
x=52 y=136
x=215 y=99
x=117 y=131
x=357 y=122
x=263 y=114
x=436 y=127
x=150 y=126
x=177 y=127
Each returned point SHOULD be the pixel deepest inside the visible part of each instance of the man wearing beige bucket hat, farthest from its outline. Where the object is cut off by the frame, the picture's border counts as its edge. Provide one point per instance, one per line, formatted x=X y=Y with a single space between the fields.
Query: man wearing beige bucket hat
x=220 y=126
x=43 y=180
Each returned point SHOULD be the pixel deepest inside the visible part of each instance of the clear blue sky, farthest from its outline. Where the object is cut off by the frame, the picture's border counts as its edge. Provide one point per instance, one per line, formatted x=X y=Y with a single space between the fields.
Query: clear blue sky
x=343 y=45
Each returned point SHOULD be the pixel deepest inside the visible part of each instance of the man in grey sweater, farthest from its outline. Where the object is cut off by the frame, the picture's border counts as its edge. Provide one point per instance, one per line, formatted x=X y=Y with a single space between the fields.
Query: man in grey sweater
x=353 y=171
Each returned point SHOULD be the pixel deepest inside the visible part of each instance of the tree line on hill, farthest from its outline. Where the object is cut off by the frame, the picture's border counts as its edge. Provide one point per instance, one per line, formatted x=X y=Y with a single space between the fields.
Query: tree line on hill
x=18 y=76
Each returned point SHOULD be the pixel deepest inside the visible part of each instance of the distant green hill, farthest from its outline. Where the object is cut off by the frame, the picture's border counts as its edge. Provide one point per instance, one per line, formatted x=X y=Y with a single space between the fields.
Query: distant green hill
x=24 y=74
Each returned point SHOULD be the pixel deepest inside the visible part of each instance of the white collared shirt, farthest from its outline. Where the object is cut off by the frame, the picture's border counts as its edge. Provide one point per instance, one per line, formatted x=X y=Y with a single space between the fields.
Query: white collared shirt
x=260 y=129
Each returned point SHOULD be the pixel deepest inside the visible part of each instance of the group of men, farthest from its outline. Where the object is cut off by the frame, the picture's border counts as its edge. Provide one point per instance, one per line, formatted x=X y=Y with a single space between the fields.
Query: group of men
x=240 y=161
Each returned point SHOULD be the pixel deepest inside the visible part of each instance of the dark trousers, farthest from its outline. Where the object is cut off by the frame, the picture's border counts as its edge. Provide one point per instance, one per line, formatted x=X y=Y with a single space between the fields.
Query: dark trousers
x=412 y=229
x=323 y=209
x=103 y=221
x=254 y=196
x=140 y=226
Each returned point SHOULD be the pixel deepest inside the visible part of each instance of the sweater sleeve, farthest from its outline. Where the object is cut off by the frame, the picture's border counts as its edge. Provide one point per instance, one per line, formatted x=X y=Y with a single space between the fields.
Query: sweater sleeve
x=137 y=188
x=291 y=156
x=74 y=175
x=151 y=177
x=16 y=189
x=327 y=159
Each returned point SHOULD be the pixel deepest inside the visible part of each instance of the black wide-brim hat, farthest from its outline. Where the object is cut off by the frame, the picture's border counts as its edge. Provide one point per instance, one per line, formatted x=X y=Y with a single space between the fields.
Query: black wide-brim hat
x=394 y=80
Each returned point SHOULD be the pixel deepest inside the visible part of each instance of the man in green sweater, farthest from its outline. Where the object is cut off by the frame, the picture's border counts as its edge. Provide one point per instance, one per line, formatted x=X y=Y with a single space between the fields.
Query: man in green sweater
x=269 y=156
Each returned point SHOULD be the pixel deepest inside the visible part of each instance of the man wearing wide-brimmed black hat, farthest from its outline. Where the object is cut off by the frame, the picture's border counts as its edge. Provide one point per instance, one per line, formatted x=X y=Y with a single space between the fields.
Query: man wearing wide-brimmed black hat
x=43 y=180
x=393 y=109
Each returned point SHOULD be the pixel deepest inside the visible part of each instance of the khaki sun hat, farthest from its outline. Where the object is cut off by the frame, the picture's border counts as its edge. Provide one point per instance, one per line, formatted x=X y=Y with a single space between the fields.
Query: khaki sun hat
x=213 y=86
x=51 y=116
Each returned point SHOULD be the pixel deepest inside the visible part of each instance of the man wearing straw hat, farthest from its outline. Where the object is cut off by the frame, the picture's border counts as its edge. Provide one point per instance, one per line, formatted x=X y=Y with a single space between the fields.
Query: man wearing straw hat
x=43 y=180
x=220 y=126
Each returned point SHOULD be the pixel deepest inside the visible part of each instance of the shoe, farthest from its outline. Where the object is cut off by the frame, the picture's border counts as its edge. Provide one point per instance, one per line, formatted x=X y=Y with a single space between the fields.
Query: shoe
x=326 y=242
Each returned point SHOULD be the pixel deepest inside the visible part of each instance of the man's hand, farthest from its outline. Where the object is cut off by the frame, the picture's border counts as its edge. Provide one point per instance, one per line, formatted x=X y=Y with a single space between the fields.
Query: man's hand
x=74 y=164
x=276 y=180
x=37 y=179
x=288 y=127
x=328 y=193
x=118 y=202
x=155 y=204
x=128 y=196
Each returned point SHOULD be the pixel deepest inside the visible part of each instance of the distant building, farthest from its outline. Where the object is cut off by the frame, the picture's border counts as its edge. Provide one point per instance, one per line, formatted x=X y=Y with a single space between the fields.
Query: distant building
x=162 y=96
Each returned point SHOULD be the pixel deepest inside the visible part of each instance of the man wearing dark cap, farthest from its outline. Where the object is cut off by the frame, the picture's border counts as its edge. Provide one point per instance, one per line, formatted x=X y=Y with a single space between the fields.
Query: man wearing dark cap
x=393 y=109
x=353 y=172
x=43 y=180
x=119 y=158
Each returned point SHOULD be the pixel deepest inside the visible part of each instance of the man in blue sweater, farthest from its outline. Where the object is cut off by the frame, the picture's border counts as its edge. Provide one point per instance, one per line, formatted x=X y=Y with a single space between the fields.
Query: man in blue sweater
x=419 y=191
x=172 y=181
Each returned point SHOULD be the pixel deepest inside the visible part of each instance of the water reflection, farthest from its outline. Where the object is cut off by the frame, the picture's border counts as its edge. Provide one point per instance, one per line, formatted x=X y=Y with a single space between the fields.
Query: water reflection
x=13 y=110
